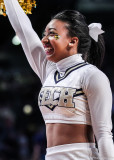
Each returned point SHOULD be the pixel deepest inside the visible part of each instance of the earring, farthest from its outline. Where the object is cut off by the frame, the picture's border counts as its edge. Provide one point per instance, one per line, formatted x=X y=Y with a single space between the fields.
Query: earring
x=70 y=44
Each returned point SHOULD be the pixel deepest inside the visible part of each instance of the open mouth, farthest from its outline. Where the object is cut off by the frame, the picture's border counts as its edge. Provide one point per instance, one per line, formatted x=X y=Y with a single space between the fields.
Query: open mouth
x=49 y=51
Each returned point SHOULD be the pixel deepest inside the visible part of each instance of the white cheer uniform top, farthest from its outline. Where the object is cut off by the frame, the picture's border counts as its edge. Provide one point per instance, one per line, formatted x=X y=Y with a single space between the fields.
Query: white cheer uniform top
x=62 y=99
x=73 y=92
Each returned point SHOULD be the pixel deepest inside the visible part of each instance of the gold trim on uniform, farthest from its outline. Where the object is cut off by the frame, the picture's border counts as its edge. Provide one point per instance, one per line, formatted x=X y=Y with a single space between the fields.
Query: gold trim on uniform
x=68 y=71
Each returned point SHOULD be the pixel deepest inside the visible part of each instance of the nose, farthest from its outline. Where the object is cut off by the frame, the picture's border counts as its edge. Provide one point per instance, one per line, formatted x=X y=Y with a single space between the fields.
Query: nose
x=45 y=39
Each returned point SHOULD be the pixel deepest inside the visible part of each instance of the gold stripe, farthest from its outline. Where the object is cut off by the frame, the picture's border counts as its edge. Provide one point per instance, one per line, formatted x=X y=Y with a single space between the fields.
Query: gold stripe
x=57 y=77
x=78 y=92
x=73 y=68
x=68 y=72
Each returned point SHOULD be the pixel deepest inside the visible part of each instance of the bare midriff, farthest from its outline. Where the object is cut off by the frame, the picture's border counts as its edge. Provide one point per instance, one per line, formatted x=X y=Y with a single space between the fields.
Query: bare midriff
x=60 y=134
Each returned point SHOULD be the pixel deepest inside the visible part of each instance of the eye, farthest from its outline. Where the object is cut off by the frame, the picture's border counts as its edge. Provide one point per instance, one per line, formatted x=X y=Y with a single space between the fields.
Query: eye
x=52 y=33
x=49 y=34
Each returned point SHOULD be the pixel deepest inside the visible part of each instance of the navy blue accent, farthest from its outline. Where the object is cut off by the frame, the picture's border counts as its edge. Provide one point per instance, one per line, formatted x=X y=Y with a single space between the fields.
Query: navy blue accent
x=79 y=89
x=66 y=74
x=51 y=108
x=76 y=95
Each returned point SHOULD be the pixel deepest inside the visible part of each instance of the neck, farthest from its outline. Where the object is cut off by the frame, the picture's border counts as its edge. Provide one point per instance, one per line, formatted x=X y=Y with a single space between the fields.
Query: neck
x=65 y=63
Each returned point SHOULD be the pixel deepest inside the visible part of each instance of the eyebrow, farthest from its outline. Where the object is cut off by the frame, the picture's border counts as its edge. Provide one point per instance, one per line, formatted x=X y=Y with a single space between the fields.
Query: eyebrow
x=49 y=29
x=52 y=28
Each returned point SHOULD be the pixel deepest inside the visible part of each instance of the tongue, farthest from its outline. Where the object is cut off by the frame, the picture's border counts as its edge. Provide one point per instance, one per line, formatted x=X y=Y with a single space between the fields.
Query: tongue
x=49 y=51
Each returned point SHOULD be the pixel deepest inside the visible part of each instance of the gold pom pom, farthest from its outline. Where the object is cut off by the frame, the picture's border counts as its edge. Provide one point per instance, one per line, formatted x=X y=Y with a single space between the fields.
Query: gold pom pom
x=27 y=6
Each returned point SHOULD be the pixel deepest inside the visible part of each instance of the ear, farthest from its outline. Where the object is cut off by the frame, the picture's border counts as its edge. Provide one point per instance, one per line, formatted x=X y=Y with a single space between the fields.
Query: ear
x=73 y=42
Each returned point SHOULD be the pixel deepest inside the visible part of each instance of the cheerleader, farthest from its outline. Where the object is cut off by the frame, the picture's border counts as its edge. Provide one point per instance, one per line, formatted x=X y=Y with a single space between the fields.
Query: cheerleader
x=75 y=99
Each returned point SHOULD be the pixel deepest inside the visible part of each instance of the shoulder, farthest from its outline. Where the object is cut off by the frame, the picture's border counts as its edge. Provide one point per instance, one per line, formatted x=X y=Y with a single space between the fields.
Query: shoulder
x=92 y=71
x=94 y=78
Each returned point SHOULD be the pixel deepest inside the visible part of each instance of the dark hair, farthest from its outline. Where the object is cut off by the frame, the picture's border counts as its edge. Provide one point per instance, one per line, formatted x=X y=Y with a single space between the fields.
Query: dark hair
x=92 y=52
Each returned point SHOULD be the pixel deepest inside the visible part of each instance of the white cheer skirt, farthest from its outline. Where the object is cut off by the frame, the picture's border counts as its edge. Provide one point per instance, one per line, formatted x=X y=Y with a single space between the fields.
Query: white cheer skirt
x=75 y=151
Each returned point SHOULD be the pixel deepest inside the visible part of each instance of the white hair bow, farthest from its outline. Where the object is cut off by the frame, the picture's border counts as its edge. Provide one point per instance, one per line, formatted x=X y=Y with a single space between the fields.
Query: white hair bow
x=95 y=30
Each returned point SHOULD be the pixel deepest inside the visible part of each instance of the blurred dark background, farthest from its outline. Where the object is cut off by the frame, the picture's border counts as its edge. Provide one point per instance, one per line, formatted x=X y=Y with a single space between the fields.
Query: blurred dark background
x=22 y=130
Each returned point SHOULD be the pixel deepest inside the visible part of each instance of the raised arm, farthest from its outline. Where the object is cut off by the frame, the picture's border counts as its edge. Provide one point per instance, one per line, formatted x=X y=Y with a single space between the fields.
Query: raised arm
x=30 y=41
x=97 y=89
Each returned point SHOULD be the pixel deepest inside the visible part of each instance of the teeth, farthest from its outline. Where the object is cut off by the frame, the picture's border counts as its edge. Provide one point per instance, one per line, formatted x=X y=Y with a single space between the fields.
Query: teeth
x=48 y=49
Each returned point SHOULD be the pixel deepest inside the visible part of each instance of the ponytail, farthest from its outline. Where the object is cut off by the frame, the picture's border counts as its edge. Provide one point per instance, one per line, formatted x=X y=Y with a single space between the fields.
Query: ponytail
x=92 y=51
x=96 y=52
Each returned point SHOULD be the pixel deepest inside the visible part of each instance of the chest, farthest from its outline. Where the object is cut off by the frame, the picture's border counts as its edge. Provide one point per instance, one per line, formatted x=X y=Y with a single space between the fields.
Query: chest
x=72 y=80
x=61 y=93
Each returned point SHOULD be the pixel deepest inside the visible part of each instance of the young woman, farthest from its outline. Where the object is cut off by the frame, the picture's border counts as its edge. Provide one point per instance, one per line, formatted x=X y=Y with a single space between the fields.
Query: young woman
x=75 y=99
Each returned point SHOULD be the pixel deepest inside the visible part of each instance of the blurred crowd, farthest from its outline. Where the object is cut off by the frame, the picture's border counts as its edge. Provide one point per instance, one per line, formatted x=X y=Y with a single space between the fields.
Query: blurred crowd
x=15 y=143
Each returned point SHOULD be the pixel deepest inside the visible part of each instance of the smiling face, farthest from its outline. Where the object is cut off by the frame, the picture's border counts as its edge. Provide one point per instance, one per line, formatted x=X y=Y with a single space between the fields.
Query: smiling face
x=57 y=44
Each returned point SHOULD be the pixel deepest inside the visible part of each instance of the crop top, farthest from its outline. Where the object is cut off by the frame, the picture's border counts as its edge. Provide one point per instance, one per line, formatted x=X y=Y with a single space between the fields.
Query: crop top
x=62 y=98
x=73 y=91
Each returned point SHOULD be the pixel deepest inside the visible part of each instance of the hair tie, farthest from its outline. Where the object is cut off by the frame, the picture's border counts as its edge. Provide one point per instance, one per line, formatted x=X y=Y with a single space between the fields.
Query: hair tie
x=95 y=30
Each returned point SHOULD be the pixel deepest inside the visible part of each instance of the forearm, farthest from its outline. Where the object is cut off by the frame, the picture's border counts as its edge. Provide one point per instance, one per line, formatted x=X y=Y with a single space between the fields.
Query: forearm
x=31 y=43
x=21 y=24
